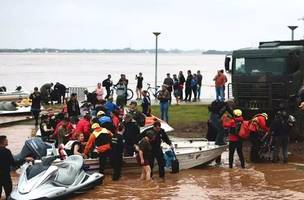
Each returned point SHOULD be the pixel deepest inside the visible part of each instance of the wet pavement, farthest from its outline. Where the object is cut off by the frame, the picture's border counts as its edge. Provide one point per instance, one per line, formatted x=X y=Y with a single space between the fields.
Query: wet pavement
x=257 y=181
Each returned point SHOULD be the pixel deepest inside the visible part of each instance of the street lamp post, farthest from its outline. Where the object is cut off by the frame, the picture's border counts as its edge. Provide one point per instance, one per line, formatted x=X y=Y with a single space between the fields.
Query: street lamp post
x=156 y=38
x=292 y=28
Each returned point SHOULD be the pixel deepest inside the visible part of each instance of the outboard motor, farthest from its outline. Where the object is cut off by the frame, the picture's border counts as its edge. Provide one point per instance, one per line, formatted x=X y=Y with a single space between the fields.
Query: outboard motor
x=34 y=147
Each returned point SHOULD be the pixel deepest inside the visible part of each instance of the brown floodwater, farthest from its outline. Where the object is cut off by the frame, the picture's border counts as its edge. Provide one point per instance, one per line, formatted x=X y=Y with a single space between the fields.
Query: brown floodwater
x=257 y=181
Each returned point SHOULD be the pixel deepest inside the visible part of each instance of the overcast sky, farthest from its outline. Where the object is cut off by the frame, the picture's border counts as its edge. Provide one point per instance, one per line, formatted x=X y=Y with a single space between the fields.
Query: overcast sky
x=185 y=24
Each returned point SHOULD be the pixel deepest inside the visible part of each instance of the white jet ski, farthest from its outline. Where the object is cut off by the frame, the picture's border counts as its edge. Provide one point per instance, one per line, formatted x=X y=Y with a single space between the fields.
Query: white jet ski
x=47 y=180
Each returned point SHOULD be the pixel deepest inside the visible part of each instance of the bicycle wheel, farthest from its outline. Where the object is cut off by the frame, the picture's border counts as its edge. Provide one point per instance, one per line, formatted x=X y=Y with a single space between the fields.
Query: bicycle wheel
x=129 y=94
x=156 y=94
x=148 y=94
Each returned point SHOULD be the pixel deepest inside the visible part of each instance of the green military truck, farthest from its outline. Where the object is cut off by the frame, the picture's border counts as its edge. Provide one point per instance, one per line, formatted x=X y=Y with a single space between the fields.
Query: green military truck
x=262 y=78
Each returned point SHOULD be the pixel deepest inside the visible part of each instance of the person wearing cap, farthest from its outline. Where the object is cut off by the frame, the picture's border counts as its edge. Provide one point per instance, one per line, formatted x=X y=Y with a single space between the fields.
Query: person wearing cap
x=144 y=154
x=164 y=98
x=146 y=104
x=99 y=141
x=131 y=134
x=159 y=136
x=139 y=85
x=258 y=130
x=235 y=142
x=107 y=83
x=169 y=82
x=83 y=126
x=36 y=104
x=188 y=91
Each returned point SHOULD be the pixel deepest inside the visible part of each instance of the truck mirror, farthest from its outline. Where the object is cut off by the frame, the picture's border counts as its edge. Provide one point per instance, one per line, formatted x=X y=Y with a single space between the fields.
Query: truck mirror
x=227 y=63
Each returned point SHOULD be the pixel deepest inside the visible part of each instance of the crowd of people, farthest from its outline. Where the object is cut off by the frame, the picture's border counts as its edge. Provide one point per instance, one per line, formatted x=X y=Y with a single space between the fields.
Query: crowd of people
x=101 y=128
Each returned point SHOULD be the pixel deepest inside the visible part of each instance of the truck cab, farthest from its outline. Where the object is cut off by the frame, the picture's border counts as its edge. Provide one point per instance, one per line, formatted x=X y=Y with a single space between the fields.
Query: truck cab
x=262 y=78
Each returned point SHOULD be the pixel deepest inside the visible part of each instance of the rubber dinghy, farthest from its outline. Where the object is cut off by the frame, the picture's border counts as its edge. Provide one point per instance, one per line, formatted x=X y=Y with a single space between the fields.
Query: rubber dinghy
x=48 y=180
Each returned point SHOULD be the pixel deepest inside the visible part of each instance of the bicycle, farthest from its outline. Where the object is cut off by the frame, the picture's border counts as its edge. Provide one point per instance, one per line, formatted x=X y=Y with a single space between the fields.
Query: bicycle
x=130 y=92
x=154 y=91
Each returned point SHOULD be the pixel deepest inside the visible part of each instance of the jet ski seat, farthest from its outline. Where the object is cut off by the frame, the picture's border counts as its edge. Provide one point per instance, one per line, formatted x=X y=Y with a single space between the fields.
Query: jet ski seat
x=68 y=170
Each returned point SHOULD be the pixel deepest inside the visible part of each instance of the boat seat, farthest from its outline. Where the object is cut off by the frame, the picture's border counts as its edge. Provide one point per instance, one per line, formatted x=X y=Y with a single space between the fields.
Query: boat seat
x=68 y=170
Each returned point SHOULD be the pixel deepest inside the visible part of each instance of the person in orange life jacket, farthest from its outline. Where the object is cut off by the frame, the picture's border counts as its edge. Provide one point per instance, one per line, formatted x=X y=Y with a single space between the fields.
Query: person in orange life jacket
x=235 y=142
x=100 y=141
x=159 y=136
x=131 y=133
x=83 y=126
x=258 y=130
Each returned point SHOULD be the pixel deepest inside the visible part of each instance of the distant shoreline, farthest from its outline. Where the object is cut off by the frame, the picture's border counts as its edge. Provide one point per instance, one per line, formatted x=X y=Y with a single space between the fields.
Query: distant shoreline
x=126 y=50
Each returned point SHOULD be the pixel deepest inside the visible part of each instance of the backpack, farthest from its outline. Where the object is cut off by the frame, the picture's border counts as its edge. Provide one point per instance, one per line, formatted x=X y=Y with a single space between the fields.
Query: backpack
x=104 y=83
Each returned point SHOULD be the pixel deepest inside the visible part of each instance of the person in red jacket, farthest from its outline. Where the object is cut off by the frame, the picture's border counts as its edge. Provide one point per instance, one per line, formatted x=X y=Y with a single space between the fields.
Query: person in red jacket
x=235 y=142
x=83 y=126
x=258 y=129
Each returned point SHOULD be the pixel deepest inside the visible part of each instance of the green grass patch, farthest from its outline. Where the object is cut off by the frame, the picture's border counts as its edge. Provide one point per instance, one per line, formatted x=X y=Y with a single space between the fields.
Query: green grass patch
x=184 y=114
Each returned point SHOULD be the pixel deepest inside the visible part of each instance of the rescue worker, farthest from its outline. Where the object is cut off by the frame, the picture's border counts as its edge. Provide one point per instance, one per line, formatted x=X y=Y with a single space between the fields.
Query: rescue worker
x=157 y=153
x=280 y=129
x=100 y=141
x=116 y=155
x=235 y=142
x=258 y=129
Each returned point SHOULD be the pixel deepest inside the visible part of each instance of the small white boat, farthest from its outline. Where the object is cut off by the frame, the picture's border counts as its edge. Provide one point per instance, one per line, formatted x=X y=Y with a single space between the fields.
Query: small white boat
x=189 y=153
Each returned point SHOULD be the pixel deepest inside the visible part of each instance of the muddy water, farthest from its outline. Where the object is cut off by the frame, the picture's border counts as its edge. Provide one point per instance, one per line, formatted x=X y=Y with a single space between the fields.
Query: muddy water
x=258 y=181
